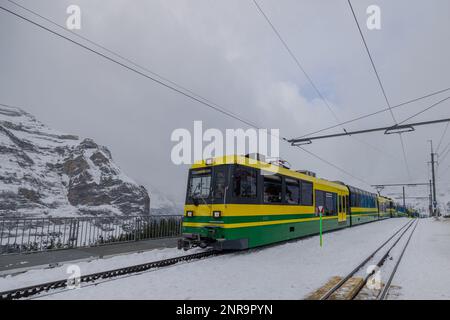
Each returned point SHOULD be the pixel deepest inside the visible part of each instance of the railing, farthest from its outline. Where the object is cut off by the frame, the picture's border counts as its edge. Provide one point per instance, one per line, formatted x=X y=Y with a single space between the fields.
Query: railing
x=18 y=235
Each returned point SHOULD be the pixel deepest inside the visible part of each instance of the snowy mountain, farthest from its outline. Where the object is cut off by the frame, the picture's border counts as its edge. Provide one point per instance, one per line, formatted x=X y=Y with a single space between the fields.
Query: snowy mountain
x=47 y=173
x=161 y=204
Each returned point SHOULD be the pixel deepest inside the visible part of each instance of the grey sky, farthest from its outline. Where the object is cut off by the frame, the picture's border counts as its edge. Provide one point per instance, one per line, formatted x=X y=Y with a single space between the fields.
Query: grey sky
x=226 y=51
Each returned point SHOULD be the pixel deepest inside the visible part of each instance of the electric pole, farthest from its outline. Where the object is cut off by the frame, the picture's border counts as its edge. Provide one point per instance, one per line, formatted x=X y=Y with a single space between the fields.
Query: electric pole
x=380 y=187
x=433 y=179
x=404 y=201
x=431 y=198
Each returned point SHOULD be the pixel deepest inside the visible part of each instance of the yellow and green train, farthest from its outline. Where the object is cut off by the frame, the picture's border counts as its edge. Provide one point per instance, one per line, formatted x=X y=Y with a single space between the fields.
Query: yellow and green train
x=236 y=202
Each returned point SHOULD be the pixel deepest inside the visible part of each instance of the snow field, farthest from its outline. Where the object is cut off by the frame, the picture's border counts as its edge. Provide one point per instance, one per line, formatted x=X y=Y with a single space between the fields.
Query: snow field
x=287 y=271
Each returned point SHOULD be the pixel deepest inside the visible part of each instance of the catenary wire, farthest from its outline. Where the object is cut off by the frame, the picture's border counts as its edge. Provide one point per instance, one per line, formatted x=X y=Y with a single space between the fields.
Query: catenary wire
x=382 y=88
x=225 y=112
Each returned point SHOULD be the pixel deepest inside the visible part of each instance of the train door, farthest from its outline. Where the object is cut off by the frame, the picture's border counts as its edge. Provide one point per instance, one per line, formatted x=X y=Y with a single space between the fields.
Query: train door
x=348 y=209
x=342 y=216
x=391 y=208
x=378 y=203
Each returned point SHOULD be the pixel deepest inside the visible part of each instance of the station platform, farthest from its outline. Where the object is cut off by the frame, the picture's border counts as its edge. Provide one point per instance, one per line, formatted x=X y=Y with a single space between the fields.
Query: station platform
x=16 y=263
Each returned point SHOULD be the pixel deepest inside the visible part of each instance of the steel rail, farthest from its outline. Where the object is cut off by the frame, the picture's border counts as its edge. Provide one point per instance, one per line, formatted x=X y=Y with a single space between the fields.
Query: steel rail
x=381 y=261
x=383 y=294
x=364 y=262
x=59 y=284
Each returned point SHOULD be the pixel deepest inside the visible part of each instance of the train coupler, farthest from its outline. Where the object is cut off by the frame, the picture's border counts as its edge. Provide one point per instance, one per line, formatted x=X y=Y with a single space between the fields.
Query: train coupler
x=190 y=241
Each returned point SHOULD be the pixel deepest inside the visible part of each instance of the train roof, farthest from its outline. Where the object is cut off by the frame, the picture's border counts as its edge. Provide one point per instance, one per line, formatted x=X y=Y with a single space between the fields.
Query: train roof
x=361 y=191
x=235 y=159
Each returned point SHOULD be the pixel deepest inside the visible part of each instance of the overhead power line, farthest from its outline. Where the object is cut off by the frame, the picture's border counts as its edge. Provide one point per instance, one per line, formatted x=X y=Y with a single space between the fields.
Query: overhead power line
x=442 y=137
x=371 y=60
x=334 y=166
x=118 y=55
x=297 y=62
x=400 y=128
x=381 y=86
x=444 y=156
x=192 y=96
x=405 y=157
x=308 y=77
x=368 y=115
x=401 y=184
x=446 y=149
x=160 y=82
x=424 y=110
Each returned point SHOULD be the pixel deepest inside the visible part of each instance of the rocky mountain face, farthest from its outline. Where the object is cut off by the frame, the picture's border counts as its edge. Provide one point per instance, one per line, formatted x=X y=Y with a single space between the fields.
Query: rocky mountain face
x=47 y=173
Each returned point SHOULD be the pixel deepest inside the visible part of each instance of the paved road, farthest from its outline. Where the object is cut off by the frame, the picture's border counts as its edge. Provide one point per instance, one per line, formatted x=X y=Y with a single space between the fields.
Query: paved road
x=18 y=262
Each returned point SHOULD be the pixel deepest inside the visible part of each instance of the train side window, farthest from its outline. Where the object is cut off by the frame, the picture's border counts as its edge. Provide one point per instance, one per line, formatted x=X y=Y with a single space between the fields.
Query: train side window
x=330 y=204
x=306 y=193
x=340 y=203
x=292 y=191
x=320 y=199
x=272 y=189
x=245 y=183
x=219 y=184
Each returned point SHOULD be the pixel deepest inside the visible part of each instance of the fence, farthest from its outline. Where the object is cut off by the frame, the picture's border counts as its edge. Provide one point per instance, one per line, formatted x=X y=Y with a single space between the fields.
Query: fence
x=19 y=235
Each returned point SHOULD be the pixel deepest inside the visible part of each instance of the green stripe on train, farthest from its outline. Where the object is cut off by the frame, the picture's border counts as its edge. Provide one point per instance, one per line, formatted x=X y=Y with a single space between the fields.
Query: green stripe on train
x=266 y=234
x=262 y=218
x=242 y=219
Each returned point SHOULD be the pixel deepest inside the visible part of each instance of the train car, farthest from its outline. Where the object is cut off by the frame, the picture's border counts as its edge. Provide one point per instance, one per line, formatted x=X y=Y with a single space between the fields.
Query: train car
x=401 y=211
x=363 y=206
x=384 y=205
x=392 y=208
x=235 y=202
x=413 y=213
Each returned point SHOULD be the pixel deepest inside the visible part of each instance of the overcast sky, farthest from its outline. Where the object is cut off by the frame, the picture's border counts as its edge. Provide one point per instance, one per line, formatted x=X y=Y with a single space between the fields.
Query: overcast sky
x=226 y=52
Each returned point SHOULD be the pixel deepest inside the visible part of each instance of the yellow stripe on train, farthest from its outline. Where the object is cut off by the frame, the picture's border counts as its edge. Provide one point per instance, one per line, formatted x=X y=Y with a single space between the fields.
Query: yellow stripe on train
x=231 y=210
x=251 y=224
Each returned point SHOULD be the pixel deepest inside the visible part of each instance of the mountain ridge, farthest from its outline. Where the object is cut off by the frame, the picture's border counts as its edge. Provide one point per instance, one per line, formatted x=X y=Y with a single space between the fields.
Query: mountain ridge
x=44 y=172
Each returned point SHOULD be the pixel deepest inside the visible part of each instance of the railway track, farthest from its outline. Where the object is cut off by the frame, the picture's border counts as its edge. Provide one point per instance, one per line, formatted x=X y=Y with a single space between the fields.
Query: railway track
x=354 y=285
x=61 y=284
x=30 y=291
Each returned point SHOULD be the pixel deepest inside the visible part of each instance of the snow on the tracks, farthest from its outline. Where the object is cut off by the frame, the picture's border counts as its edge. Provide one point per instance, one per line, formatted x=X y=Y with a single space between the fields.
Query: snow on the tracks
x=287 y=271
x=38 y=276
x=424 y=270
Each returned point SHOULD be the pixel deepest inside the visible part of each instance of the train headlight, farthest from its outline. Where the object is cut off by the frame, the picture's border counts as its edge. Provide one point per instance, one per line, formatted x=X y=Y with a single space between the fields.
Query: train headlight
x=189 y=213
x=217 y=214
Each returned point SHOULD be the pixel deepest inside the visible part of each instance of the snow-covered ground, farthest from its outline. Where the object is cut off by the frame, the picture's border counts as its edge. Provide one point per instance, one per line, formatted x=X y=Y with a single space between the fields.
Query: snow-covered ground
x=287 y=271
x=37 y=276
x=424 y=272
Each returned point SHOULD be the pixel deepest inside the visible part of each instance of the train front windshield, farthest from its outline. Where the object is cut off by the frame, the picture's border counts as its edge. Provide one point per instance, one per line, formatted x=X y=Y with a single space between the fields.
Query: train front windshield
x=207 y=185
x=199 y=184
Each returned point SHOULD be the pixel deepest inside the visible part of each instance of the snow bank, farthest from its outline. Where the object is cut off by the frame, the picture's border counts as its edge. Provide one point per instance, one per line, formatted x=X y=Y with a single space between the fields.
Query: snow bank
x=424 y=270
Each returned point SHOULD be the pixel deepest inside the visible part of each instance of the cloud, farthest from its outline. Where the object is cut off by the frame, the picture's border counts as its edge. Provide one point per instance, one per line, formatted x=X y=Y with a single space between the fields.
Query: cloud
x=225 y=51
